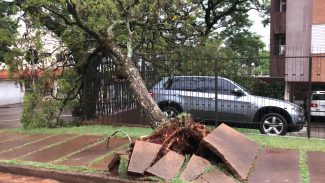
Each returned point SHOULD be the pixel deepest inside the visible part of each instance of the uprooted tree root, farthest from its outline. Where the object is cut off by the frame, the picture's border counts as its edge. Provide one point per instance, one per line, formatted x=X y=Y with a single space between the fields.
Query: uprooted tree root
x=180 y=135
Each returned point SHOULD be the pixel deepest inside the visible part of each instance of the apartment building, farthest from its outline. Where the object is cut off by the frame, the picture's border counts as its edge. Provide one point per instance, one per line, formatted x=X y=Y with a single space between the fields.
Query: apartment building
x=297 y=32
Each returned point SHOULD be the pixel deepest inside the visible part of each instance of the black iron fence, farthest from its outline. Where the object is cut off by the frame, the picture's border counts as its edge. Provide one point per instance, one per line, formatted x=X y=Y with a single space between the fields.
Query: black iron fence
x=270 y=95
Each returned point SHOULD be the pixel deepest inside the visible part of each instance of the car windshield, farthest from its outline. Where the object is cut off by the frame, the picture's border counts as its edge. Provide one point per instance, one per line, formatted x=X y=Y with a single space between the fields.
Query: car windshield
x=242 y=88
x=318 y=96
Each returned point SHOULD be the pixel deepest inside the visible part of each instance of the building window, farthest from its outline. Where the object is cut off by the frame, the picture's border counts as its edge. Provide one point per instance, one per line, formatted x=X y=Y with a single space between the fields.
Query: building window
x=279 y=44
x=279 y=5
x=283 y=5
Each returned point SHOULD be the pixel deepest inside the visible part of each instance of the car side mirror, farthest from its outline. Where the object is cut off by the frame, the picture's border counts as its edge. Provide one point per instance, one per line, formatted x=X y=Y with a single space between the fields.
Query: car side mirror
x=238 y=92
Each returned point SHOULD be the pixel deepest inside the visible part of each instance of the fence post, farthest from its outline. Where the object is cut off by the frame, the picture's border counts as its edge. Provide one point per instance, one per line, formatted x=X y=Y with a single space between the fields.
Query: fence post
x=216 y=91
x=309 y=93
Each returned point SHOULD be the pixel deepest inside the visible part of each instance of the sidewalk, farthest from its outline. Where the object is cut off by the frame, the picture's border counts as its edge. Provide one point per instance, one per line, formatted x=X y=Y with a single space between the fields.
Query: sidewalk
x=67 y=152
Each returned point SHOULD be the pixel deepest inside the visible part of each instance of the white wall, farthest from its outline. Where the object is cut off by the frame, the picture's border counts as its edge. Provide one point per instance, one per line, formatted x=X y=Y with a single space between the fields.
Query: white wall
x=318 y=38
x=10 y=93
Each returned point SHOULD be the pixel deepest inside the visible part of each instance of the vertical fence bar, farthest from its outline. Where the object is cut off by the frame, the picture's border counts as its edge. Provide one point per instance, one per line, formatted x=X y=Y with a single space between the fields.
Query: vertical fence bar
x=216 y=91
x=309 y=96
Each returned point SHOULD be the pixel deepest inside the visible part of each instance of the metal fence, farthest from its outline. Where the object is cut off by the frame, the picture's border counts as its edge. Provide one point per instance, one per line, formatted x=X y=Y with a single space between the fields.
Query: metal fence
x=241 y=92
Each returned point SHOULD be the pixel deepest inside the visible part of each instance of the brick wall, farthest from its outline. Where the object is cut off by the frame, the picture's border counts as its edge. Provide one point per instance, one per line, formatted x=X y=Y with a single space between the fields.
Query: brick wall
x=318 y=11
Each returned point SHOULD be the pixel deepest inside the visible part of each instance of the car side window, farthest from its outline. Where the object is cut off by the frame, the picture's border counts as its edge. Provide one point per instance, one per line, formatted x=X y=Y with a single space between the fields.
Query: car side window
x=225 y=87
x=195 y=84
x=318 y=97
x=177 y=84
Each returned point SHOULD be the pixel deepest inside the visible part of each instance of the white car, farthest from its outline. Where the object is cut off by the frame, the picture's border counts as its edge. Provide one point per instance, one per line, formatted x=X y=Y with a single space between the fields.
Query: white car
x=317 y=105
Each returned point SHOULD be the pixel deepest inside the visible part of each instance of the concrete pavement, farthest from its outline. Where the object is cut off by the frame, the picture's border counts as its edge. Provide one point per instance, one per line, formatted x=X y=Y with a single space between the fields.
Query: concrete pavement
x=10 y=116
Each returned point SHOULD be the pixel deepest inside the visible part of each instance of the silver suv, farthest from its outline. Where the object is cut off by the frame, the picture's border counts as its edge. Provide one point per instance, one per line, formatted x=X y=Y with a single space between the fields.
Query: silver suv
x=196 y=95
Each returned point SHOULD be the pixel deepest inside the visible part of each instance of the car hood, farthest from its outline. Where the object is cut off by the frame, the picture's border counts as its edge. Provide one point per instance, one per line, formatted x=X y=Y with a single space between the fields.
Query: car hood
x=266 y=101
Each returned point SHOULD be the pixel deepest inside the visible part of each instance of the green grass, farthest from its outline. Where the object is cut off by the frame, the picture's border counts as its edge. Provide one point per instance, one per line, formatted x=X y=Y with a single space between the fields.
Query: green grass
x=52 y=166
x=304 y=173
x=105 y=130
x=123 y=167
x=287 y=142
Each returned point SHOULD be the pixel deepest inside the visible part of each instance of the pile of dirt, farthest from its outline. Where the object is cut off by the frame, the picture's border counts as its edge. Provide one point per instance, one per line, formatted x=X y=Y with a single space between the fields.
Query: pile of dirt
x=182 y=136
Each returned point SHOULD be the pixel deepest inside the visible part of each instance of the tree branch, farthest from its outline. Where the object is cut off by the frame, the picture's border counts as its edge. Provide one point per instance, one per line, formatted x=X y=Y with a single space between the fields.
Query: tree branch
x=72 y=9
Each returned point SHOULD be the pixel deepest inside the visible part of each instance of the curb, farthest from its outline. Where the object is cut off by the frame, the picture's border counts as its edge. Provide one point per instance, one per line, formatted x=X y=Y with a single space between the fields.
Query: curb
x=63 y=176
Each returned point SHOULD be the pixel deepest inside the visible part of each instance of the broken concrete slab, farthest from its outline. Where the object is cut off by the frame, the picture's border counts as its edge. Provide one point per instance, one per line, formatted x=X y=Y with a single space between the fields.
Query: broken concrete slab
x=237 y=151
x=276 y=165
x=214 y=176
x=143 y=155
x=168 y=166
x=199 y=180
x=316 y=164
x=194 y=168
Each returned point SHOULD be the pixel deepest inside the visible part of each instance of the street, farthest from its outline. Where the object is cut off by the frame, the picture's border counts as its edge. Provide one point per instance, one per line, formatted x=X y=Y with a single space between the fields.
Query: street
x=10 y=116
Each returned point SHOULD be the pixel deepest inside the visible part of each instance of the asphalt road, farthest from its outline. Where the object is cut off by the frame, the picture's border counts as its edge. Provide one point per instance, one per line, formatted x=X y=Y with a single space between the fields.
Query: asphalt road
x=10 y=116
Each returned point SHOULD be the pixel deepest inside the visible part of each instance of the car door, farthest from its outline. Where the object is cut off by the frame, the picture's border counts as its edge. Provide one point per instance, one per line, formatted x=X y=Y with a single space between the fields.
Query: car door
x=183 y=91
x=231 y=107
x=201 y=88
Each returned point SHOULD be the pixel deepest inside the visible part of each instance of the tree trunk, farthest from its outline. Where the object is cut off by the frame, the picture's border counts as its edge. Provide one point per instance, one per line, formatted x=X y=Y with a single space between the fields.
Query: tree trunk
x=151 y=109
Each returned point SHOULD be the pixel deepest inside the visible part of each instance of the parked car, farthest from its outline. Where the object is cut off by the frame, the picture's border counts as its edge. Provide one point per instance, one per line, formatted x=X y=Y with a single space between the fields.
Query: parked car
x=197 y=95
x=317 y=105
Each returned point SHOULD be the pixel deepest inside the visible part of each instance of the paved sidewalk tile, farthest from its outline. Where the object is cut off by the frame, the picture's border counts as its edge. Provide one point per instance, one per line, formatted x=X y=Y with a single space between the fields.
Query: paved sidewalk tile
x=86 y=156
x=194 y=168
x=316 y=166
x=168 y=166
x=276 y=166
x=21 y=141
x=61 y=150
x=15 y=153
x=5 y=136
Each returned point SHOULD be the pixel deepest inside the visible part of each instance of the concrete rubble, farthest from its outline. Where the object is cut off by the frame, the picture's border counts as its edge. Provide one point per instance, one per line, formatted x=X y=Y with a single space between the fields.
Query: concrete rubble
x=168 y=166
x=162 y=154
x=144 y=153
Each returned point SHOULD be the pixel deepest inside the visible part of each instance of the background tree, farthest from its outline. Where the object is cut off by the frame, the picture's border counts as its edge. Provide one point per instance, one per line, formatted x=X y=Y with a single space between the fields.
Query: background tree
x=8 y=32
x=122 y=28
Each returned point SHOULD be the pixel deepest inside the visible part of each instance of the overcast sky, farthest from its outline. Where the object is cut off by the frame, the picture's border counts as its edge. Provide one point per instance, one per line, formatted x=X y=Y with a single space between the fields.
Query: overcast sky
x=259 y=28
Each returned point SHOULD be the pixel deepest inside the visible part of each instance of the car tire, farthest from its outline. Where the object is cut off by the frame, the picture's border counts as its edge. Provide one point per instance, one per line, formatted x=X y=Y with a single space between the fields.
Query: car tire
x=170 y=112
x=273 y=124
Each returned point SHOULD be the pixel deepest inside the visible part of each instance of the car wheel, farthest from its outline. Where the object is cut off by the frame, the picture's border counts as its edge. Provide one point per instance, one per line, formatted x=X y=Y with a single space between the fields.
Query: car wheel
x=273 y=124
x=170 y=112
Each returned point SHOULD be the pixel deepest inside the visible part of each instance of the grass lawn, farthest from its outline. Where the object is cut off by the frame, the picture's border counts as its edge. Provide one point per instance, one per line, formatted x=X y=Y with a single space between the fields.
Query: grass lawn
x=287 y=142
x=300 y=143
x=105 y=130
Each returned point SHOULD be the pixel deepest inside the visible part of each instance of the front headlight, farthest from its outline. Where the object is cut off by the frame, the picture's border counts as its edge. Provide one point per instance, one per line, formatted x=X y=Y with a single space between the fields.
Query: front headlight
x=299 y=110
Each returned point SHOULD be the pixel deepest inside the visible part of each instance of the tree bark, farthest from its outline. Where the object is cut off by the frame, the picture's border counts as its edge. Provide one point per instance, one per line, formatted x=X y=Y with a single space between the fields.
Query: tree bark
x=149 y=106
